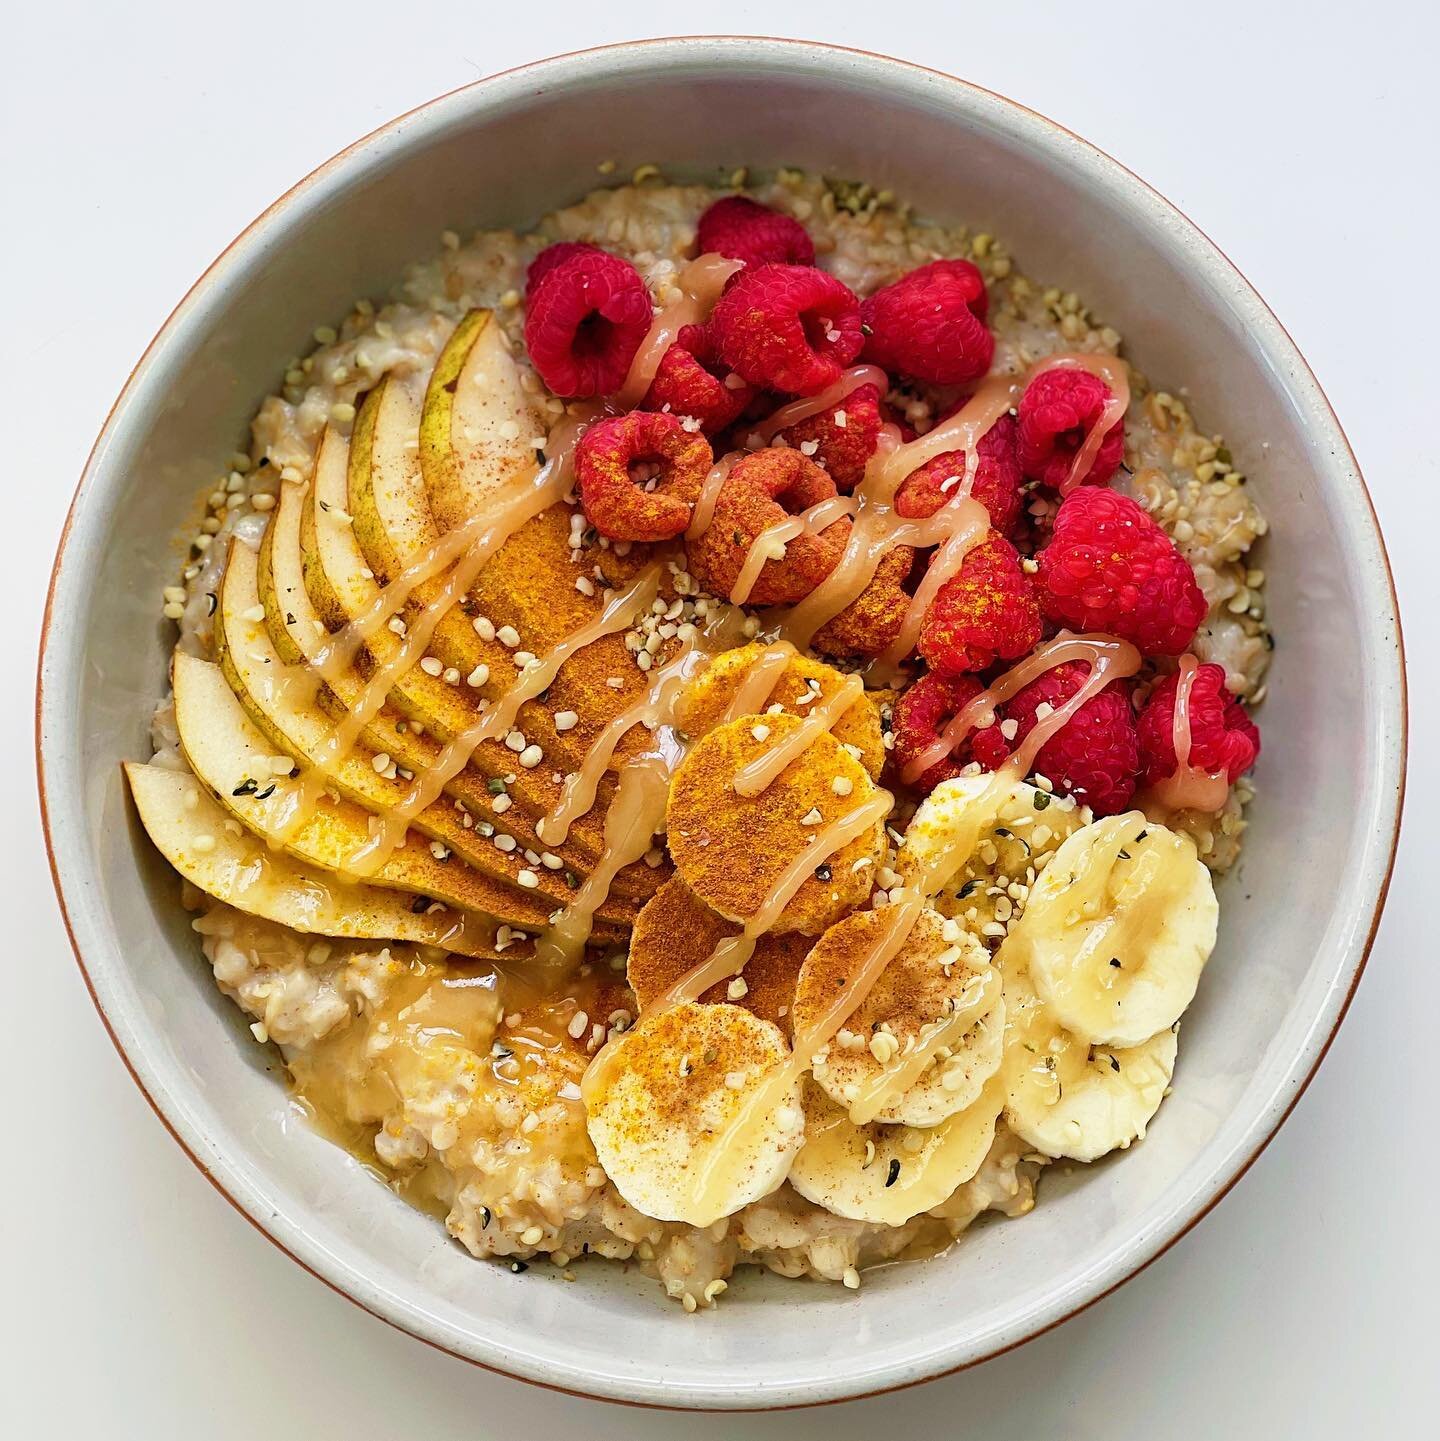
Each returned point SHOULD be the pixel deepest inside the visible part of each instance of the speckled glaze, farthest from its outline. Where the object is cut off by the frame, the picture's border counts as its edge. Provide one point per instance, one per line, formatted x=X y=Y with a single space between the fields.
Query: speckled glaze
x=1292 y=941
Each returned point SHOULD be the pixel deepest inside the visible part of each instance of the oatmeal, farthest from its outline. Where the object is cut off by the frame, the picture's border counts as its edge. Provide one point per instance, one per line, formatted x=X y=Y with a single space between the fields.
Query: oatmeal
x=703 y=731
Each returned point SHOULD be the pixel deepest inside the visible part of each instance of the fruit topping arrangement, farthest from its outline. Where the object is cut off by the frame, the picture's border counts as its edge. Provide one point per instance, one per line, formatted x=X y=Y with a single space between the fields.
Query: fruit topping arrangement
x=753 y=443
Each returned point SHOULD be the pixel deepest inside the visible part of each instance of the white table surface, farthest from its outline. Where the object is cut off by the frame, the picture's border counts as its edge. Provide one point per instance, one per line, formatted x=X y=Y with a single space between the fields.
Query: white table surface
x=139 y=138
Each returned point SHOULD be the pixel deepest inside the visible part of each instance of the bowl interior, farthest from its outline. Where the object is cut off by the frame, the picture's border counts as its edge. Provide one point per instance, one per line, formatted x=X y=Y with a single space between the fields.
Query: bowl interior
x=1296 y=913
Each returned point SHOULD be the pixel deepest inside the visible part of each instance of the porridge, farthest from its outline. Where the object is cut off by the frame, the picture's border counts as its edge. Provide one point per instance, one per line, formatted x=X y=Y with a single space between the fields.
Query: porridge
x=703 y=732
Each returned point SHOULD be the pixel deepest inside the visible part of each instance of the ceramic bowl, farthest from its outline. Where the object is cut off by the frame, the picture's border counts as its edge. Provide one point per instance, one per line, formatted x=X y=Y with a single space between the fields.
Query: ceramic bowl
x=1298 y=913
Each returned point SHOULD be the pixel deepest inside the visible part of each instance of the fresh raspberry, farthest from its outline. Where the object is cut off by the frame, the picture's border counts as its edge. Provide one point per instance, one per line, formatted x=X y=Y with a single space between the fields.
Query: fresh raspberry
x=1059 y=409
x=1092 y=757
x=617 y=501
x=997 y=480
x=1110 y=568
x=921 y=714
x=844 y=436
x=930 y=324
x=690 y=382
x=760 y=491
x=585 y=316
x=790 y=328
x=873 y=619
x=986 y=611
x=554 y=255
x=1222 y=735
x=743 y=229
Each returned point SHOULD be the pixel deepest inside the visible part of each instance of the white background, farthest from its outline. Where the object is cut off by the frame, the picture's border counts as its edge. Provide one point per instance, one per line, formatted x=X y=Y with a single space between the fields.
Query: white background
x=139 y=138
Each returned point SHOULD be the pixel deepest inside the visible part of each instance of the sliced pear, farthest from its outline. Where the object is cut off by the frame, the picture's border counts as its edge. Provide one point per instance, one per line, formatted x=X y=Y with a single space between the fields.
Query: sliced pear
x=294 y=626
x=239 y=767
x=198 y=838
x=478 y=425
x=284 y=713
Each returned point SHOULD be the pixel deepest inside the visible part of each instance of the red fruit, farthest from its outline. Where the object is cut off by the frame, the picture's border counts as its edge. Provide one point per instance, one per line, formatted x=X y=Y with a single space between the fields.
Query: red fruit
x=554 y=255
x=1093 y=756
x=921 y=714
x=586 y=313
x=1222 y=735
x=617 y=503
x=743 y=229
x=997 y=480
x=1059 y=409
x=986 y=611
x=790 y=328
x=930 y=324
x=845 y=436
x=1110 y=568
x=689 y=382
x=761 y=491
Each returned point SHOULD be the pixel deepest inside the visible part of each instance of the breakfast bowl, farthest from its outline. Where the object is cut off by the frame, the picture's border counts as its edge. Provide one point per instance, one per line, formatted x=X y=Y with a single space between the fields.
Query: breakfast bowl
x=1298 y=908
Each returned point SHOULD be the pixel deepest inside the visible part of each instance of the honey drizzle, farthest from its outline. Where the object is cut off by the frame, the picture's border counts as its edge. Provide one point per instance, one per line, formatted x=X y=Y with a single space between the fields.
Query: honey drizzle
x=730 y=956
x=977 y=1000
x=768 y=545
x=760 y=681
x=850 y=381
x=709 y=496
x=1108 y=658
x=1189 y=787
x=635 y=814
x=618 y=615
x=764 y=769
x=700 y=284
x=1116 y=374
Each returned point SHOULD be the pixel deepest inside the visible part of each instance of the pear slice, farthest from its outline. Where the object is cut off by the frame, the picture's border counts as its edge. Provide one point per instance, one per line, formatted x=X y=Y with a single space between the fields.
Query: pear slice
x=478 y=424
x=342 y=587
x=196 y=836
x=528 y=583
x=279 y=707
x=239 y=766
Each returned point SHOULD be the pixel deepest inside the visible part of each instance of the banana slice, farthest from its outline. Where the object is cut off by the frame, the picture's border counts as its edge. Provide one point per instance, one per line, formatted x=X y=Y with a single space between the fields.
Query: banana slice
x=1067 y=1097
x=1117 y=929
x=887 y=1174
x=983 y=841
x=695 y=1112
x=927 y=1036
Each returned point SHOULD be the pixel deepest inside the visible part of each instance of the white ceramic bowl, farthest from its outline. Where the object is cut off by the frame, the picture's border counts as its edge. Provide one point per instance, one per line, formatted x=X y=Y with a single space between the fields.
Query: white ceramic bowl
x=1299 y=912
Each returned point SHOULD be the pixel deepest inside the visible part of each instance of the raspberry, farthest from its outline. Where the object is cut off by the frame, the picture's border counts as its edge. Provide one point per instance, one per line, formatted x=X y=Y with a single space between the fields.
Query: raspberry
x=1222 y=735
x=997 y=480
x=1058 y=410
x=687 y=384
x=930 y=324
x=760 y=491
x=986 y=611
x=1110 y=568
x=790 y=328
x=615 y=504
x=743 y=229
x=1092 y=757
x=554 y=255
x=921 y=714
x=586 y=313
x=844 y=436
x=872 y=620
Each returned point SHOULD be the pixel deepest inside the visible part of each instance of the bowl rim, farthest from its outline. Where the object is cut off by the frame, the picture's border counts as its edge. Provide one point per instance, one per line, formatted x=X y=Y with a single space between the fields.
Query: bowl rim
x=1129 y=190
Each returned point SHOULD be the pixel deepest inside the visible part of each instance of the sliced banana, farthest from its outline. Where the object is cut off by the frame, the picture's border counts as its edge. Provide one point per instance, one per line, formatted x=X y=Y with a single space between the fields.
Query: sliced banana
x=928 y=1034
x=887 y=1174
x=695 y=1112
x=1117 y=929
x=1067 y=1097
x=983 y=841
